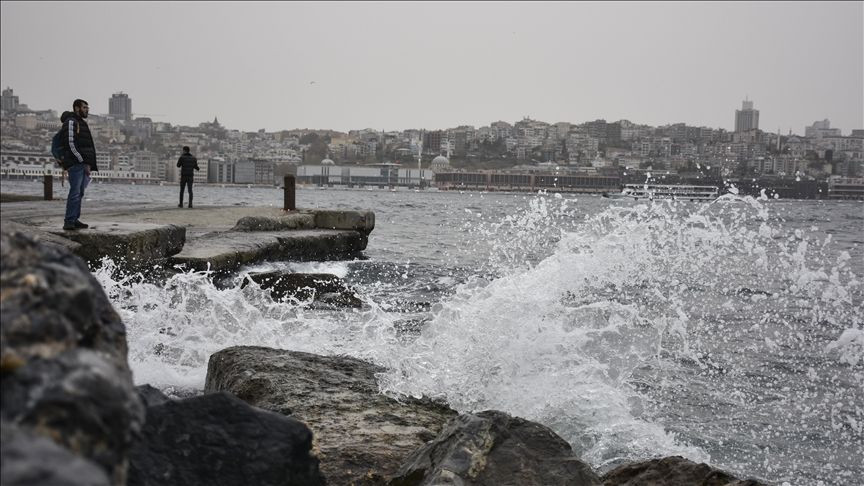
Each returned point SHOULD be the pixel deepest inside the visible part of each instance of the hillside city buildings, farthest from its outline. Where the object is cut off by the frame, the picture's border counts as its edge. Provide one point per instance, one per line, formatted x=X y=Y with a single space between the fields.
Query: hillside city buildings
x=589 y=156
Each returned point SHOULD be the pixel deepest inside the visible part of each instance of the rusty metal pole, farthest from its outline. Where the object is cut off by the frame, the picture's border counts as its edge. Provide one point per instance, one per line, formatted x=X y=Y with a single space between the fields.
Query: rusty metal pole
x=290 y=202
x=48 y=182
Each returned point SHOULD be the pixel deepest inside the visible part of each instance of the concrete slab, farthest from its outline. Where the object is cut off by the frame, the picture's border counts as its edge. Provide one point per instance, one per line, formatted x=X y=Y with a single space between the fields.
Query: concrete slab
x=225 y=252
x=134 y=246
x=221 y=238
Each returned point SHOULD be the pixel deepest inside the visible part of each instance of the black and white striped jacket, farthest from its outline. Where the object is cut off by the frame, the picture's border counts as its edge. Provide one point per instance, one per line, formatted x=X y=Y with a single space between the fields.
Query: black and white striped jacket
x=79 y=144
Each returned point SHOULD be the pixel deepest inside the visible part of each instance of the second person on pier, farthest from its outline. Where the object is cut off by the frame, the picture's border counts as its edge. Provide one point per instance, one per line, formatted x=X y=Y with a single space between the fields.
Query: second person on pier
x=187 y=163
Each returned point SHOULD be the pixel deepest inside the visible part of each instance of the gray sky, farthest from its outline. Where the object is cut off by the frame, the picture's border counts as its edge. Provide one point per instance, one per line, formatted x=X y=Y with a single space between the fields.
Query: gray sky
x=399 y=65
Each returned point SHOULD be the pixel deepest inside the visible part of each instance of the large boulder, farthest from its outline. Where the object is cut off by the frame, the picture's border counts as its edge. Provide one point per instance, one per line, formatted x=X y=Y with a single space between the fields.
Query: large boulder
x=63 y=355
x=672 y=471
x=32 y=460
x=494 y=449
x=217 y=439
x=320 y=287
x=361 y=436
x=51 y=304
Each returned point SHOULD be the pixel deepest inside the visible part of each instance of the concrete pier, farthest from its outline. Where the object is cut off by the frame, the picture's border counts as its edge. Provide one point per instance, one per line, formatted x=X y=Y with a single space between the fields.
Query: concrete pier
x=219 y=238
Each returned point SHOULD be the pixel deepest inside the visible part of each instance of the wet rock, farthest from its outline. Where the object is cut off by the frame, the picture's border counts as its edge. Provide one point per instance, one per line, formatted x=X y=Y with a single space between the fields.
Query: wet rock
x=151 y=396
x=51 y=303
x=217 y=439
x=32 y=460
x=492 y=448
x=671 y=471
x=361 y=436
x=41 y=235
x=321 y=287
x=81 y=400
x=282 y=223
x=63 y=355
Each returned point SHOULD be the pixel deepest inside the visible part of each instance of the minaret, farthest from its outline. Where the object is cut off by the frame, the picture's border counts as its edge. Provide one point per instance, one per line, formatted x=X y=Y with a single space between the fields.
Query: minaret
x=420 y=150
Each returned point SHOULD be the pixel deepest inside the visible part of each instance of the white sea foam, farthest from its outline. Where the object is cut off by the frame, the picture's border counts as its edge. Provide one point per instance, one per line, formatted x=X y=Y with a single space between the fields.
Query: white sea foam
x=636 y=331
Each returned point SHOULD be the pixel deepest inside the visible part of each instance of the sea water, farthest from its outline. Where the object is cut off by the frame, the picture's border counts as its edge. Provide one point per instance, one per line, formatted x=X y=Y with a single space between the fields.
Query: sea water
x=729 y=332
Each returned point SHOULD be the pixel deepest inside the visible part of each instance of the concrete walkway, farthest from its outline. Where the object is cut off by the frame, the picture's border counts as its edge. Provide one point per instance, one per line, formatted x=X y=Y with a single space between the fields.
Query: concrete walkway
x=141 y=234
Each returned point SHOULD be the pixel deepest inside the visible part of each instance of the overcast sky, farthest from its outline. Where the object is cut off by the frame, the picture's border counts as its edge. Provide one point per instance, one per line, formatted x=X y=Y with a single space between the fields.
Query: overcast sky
x=400 y=65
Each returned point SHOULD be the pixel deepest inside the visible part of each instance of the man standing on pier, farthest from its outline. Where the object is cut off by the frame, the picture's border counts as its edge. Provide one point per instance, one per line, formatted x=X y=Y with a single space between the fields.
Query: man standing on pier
x=187 y=163
x=80 y=158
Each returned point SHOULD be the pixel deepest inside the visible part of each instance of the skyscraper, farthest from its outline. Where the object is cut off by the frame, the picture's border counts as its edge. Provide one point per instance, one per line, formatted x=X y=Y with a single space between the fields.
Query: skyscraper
x=10 y=101
x=120 y=106
x=746 y=118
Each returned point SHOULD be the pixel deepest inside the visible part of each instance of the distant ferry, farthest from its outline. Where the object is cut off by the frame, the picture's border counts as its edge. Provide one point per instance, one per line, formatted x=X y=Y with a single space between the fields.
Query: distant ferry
x=666 y=191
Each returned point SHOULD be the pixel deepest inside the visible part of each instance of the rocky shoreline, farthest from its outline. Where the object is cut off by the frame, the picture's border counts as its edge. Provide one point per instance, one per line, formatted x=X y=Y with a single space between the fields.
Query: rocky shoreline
x=72 y=416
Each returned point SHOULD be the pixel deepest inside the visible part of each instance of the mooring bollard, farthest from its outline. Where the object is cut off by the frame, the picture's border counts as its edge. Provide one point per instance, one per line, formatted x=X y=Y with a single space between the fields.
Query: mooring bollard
x=48 y=182
x=290 y=203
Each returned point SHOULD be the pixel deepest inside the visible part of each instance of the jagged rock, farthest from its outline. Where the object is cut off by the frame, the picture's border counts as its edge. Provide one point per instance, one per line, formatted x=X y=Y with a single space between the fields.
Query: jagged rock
x=63 y=355
x=492 y=448
x=51 y=303
x=41 y=235
x=362 y=436
x=282 y=223
x=671 y=471
x=80 y=399
x=322 y=287
x=31 y=460
x=217 y=439
x=151 y=396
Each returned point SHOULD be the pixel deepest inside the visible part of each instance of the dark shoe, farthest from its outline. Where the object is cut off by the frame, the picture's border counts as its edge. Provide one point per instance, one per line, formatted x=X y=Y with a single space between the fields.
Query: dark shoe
x=190 y=205
x=80 y=225
x=180 y=205
x=69 y=227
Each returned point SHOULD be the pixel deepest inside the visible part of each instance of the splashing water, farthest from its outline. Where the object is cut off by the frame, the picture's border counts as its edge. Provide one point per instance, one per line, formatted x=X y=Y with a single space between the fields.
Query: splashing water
x=715 y=331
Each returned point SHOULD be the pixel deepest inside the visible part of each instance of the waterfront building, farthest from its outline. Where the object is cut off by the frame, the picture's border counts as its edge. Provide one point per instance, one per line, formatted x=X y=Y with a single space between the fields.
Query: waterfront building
x=845 y=188
x=529 y=181
x=220 y=171
x=147 y=161
x=440 y=164
x=374 y=175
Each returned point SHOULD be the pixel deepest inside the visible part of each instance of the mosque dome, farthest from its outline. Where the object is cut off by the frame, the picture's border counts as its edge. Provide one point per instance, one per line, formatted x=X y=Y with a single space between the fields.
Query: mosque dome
x=440 y=162
x=327 y=162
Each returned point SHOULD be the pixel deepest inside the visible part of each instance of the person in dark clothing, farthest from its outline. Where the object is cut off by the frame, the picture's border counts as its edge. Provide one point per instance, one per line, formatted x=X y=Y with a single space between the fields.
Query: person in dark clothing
x=187 y=163
x=80 y=157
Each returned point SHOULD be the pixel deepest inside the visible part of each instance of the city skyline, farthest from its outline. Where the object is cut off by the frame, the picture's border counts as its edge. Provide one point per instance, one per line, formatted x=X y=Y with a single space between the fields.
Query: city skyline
x=747 y=105
x=435 y=66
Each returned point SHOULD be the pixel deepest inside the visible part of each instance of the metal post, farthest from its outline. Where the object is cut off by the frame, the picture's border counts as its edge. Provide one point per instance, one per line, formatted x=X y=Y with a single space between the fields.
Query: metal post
x=290 y=203
x=49 y=187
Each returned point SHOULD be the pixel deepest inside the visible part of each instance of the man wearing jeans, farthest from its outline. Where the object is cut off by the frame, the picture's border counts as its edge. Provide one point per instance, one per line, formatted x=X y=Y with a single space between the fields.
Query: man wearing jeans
x=79 y=160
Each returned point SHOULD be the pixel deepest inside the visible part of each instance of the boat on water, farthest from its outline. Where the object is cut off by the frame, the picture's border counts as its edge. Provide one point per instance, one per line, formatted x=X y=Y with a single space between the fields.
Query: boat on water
x=678 y=192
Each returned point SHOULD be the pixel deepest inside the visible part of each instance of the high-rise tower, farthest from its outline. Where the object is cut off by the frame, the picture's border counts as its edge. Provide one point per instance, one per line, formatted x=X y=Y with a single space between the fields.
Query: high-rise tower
x=746 y=118
x=120 y=106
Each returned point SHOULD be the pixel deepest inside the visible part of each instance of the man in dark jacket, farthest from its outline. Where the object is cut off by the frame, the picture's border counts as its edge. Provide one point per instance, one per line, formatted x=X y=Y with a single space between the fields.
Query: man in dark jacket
x=187 y=163
x=80 y=158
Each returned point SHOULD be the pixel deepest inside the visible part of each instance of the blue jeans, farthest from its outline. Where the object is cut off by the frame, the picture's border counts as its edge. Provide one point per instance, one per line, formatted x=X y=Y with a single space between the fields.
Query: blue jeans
x=78 y=180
